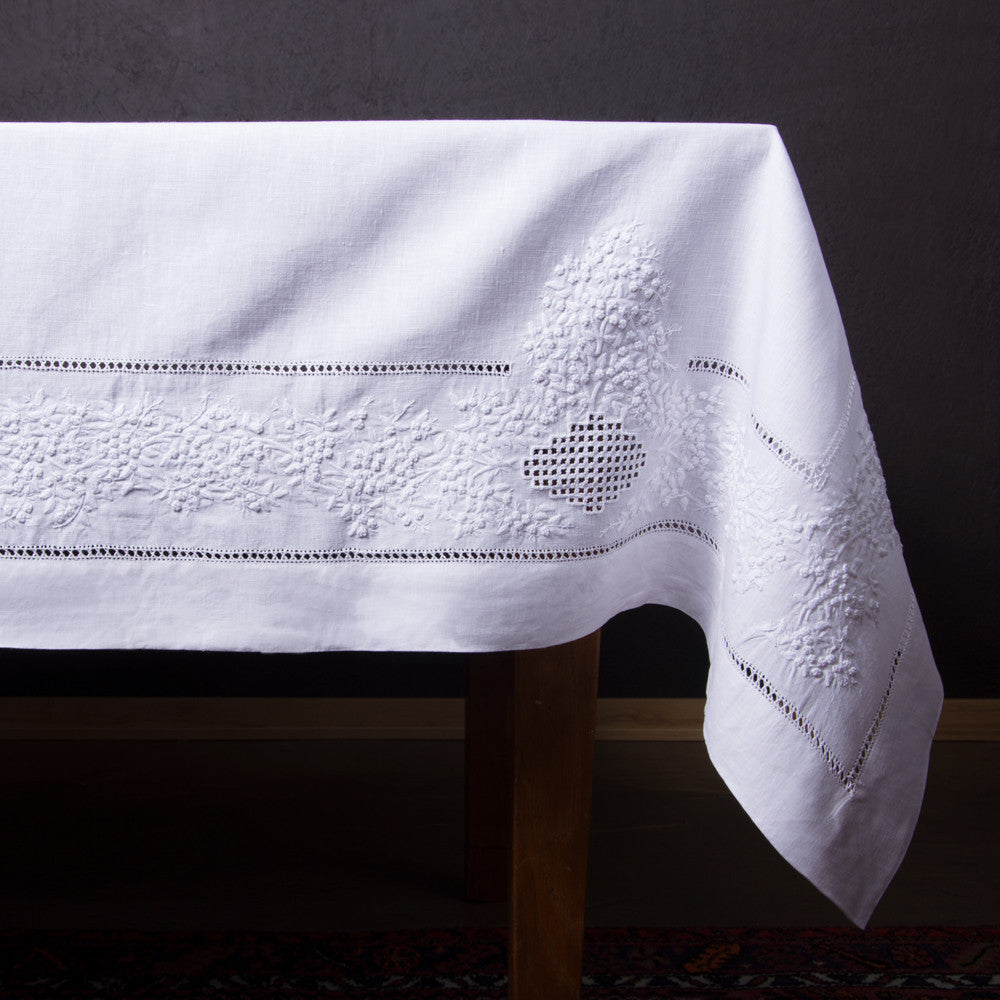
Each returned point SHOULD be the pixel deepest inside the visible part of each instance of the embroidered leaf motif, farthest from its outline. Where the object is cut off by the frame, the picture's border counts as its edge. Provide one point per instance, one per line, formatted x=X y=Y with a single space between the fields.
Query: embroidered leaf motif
x=60 y=460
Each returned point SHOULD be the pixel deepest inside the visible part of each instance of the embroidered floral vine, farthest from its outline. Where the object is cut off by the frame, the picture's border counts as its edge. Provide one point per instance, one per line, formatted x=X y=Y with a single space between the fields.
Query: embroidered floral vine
x=839 y=566
x=60 y=459
x=683 y=449
x=746 y=500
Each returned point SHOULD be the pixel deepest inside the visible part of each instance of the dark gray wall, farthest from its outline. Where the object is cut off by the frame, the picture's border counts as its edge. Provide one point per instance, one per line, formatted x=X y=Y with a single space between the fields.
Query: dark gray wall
x=890 y=114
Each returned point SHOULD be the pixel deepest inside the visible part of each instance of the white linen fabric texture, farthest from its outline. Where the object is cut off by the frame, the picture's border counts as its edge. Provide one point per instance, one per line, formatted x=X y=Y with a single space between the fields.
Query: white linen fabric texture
x=464 y=386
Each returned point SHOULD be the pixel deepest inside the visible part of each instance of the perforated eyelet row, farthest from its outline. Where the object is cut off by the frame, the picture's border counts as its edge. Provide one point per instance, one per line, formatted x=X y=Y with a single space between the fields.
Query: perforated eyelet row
x=839 y=434
x=716 y=366
x=195 y=367
x=813 y=473
x=806 y=470
x=172 y=553
x=872 y=734
x=792 y=714
x=848 y=779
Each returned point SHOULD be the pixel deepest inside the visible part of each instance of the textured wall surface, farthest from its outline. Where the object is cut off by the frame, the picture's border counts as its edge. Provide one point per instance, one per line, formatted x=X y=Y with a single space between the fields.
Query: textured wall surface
x=889 y=110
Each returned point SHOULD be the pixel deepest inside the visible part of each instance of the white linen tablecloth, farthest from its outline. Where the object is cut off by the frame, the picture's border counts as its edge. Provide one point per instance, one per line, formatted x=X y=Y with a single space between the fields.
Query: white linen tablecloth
x=464 y=386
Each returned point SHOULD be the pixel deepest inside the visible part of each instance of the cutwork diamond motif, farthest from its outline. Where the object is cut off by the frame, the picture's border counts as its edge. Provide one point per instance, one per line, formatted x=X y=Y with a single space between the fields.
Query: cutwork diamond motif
x=591 y=465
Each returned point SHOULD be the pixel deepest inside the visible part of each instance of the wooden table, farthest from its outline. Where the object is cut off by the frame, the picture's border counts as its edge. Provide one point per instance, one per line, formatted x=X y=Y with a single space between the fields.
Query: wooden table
x=530 y=720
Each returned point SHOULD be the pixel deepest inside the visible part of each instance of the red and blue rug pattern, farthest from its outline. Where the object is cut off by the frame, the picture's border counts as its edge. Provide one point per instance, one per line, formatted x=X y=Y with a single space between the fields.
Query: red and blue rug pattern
x=619 y=964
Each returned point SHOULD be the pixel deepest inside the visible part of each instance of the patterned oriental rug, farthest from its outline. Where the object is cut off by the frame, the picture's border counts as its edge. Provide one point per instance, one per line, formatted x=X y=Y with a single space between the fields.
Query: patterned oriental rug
x=620 y=964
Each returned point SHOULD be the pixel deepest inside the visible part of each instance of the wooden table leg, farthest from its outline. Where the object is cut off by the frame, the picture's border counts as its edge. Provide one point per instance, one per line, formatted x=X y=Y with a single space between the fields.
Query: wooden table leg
x=488 y=764
x=549 y=708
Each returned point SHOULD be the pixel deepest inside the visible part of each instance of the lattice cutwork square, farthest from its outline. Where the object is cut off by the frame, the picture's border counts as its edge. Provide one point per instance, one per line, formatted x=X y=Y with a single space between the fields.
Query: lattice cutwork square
x=591 y=465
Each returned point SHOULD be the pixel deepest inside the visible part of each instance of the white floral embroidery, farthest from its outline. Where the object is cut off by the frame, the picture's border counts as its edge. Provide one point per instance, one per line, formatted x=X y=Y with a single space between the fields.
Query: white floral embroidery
x=748 y=502
x=682 y=448
x=600 y=345
x=61 y=459
x=478 y=481
x=500 y=417
x=599 y=348
x=839 y=564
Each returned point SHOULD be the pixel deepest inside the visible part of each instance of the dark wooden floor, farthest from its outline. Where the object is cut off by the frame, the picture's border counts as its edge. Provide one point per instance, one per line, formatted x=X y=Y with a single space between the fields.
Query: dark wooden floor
x=368 y=835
